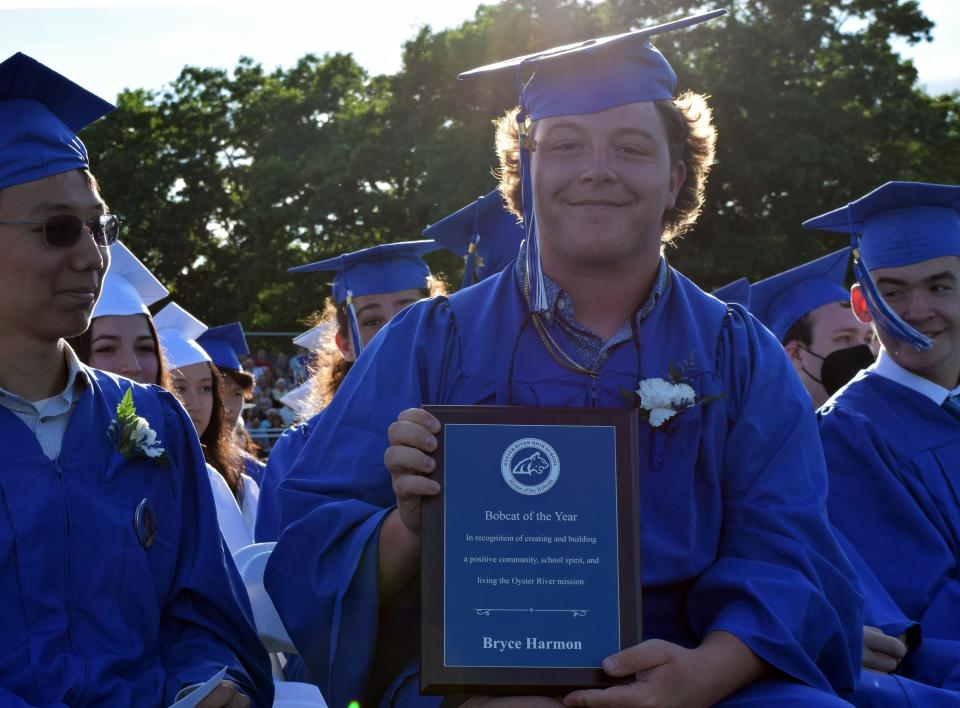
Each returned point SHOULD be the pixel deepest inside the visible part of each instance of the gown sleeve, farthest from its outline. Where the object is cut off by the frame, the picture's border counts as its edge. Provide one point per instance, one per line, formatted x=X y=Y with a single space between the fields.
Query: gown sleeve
x=322 y=575
x=207 y=622
x=281 y=459
x=780 y=583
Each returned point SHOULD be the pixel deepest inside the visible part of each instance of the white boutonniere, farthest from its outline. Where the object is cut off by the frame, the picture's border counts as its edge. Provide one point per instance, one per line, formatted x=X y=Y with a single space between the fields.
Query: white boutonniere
x=659 y=399
x=132 y=435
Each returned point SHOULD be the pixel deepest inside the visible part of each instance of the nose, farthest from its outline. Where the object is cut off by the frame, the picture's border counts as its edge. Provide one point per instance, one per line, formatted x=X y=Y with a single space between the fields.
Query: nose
x=597 y=166
x=190 y=401
x=87 y=255
x=129 y=364
x=917 y=307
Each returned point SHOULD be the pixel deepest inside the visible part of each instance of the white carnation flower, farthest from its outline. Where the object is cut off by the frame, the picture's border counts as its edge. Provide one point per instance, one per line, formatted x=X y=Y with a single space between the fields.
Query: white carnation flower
x=659 y=416
x=684 y=394
x=655 y=393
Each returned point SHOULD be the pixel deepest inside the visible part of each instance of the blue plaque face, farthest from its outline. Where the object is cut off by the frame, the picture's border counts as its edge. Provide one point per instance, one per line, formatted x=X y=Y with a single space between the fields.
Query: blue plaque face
x=530 y=564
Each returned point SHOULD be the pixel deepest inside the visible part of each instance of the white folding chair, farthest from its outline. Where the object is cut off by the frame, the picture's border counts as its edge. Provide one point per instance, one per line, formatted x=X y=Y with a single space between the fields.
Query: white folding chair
x=251 y=562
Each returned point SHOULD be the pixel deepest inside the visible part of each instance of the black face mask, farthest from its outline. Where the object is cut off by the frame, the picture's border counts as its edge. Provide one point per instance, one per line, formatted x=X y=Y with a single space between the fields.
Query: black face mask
x=842 y=365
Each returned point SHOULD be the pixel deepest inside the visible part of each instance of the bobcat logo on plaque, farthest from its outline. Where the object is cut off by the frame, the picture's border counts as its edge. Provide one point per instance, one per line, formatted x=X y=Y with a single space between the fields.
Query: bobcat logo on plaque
x=530 y=466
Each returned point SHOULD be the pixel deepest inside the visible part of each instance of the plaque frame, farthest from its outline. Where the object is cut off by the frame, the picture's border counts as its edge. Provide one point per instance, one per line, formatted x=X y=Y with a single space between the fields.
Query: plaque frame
x=438 y=679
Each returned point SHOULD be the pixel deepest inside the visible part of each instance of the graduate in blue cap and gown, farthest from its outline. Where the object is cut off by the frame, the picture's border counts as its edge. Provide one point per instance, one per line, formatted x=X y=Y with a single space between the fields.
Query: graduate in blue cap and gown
x=808 y=309
x=226 y=344
x=747 y=597
x=484 y=233
x=892 y=436
x=115 y=587
x=897 y=669
x=369 y=287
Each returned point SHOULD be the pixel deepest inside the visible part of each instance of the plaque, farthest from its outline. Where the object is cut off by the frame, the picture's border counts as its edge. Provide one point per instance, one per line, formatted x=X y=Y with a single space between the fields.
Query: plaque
x=530 y=567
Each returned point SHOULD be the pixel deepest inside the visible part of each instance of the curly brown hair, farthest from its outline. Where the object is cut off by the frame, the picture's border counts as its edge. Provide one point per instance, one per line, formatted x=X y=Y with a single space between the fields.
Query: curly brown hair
x=691 y=137
x=330 y=368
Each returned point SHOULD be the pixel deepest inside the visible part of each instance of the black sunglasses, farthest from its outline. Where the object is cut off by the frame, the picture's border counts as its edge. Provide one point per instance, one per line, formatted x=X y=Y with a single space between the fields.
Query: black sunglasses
x=64 y=230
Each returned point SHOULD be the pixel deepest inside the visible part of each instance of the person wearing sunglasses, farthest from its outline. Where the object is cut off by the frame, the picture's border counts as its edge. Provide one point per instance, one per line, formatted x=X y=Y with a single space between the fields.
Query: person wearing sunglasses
x=114 y=585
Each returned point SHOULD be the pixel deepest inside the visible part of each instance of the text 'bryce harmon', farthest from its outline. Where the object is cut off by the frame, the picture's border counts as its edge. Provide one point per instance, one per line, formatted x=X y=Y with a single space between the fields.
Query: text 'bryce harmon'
x=534 y=643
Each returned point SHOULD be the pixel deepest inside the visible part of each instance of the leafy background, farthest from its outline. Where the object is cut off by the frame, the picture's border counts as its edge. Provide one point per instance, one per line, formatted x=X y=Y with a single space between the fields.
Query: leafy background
x=228 y=177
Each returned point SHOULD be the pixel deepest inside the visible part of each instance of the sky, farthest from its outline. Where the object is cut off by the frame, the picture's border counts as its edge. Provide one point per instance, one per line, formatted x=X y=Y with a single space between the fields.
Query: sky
x=109 y=45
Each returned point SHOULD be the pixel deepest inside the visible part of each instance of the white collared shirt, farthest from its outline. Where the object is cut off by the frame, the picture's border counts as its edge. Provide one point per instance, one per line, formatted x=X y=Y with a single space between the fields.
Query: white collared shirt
x=886 y=367
x=48 y=418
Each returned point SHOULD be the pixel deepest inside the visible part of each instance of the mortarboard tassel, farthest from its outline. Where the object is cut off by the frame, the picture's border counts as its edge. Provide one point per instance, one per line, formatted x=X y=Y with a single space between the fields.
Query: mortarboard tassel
x=537 y=292
x=885 y=318
x=354 y=325
x=470 y=262
x=470 y=276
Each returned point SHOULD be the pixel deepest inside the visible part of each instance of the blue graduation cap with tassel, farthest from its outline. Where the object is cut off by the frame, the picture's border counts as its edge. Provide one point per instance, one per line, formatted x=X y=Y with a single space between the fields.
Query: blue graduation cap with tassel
x=484 y=233
x=385 y=268
x=897 y=224
x=576 y=79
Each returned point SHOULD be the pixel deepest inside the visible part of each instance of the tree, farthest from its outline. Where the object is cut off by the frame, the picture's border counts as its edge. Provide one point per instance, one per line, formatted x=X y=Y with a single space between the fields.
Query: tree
x=227 y=180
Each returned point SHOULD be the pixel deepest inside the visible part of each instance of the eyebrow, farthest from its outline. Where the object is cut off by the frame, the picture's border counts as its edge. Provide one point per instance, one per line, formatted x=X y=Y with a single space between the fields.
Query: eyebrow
x=113 y=337
x=626 y=130
x=48 y=207
x=846 y=330
x=371 y=306
x=945 y=275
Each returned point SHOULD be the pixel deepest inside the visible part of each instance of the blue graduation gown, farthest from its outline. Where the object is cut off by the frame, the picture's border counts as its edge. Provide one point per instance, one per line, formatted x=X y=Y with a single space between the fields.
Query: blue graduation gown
x=282 y=456
x=924 y=676
x=733 y=493
x=89 y=616
x=894 y=457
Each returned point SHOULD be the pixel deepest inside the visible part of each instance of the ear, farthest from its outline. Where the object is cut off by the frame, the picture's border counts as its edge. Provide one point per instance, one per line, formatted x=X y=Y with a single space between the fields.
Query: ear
x=678 y=175
x=858 y=303
x=345 y=345
x=792 y=348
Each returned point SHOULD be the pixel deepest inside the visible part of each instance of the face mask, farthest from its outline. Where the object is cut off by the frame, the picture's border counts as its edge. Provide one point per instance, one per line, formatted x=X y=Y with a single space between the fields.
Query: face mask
x=804 y=369
x=842 y=365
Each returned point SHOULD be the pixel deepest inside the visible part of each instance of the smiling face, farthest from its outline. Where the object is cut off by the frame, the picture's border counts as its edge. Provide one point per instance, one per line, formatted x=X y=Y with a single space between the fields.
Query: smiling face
x=601 y=185
x=46 y=292
x=373 y=313
x=927 y=296
x=193 y=385
x=124 y=345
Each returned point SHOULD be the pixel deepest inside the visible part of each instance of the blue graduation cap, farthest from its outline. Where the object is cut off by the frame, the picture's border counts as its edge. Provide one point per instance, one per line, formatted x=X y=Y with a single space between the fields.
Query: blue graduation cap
x=782 y=299
x=737 y=292
x=897 y=224
x=225 y=344
x=576 y=79
x=385 y=268
x=484 y=233
x=41 y=113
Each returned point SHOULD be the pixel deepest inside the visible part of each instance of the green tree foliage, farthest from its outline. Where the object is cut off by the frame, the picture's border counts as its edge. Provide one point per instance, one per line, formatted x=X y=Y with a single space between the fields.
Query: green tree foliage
x=226 y=179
